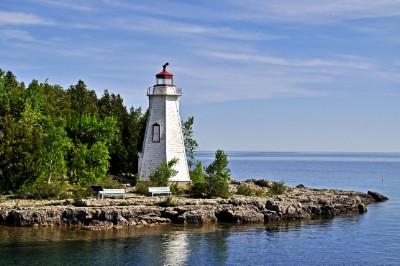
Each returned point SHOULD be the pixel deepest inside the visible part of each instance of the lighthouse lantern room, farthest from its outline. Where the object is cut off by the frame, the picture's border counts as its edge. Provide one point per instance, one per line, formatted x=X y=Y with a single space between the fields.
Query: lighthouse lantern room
x=163 y=139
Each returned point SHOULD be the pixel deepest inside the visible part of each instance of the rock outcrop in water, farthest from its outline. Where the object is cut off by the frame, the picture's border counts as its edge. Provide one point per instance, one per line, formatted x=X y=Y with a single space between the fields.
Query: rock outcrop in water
x=136 y=210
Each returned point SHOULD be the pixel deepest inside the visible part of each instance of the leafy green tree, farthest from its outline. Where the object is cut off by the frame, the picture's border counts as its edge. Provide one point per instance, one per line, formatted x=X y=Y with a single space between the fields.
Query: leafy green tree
x=89 y=164
x=57 y=145
x=83 y=100
x=164 y=172
x=35 y=95
x=88 y=129
x=21 y=150
x=58 y=102
x=51 y=134
x=112 y=105
x=12 y=100
x=92 y=139
x=190 y=144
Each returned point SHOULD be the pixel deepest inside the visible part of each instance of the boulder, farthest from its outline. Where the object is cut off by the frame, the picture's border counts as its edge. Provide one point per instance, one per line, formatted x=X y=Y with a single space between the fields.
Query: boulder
x=377 y=197
x=240 y=214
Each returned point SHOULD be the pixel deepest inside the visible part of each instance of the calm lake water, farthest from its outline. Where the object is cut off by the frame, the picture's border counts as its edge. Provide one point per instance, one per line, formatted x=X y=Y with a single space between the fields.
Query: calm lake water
x=369 y=239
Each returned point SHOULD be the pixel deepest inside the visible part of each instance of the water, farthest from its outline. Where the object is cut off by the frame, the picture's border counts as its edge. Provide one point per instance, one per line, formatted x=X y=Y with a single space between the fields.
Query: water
x=369 y=239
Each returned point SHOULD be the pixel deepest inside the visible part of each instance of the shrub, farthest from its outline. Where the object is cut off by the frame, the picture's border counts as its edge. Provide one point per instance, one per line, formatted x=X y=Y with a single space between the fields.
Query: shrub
x=248 y=191
x=199 y=190
x=79 y=192
x=162 y=174
x=142 y=187
x=213 y=187
x=168 y=202
x=44 y=190
x=278 y=188
x=176 y=190
x=197 y=175
x=215 y=183
x=245 y=190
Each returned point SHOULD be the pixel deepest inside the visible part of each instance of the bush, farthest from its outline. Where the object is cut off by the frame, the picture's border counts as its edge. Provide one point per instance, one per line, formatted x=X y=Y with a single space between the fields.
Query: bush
x=197 y=175
x=79 y=192
x=168 y=202
x=176 y=190
x=278 y=188
x=44 y=190
x=212 y=188
x=142 y=187
x=109 y=182
x=215 y=183
x=245 y=190
x=163 y=173
x=248 y=191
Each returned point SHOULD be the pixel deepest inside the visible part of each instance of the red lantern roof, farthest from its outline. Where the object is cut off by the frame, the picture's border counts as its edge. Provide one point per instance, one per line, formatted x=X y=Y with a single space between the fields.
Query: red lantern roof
x=164 y=73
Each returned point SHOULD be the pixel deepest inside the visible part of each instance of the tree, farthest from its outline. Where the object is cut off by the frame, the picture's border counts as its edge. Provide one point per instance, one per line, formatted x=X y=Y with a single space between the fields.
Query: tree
x=190 y=144
x=57 y=145
x=135 y=136
x=215 y=183
x=51 y=133
x=92 y=139
x=197 y=174
x=164 y=172
x=219 y=167
x=83 y=100
x=21 y=150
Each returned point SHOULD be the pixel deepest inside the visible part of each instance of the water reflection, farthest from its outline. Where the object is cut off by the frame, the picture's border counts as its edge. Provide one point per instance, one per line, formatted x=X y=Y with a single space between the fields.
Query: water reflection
x=315 y=241
x=175 y=249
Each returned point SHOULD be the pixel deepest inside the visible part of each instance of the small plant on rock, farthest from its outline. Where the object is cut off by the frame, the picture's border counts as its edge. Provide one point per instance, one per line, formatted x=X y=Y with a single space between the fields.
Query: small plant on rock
x=168 y=202
x=278 y=188
x=245 y=190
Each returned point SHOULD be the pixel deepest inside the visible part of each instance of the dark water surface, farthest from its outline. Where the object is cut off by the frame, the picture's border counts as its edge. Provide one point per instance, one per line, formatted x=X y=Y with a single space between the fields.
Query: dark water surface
x=369 y=239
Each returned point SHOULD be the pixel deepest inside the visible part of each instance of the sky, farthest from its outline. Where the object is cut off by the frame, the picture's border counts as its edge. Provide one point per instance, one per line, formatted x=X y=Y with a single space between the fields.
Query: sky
x=256 y=75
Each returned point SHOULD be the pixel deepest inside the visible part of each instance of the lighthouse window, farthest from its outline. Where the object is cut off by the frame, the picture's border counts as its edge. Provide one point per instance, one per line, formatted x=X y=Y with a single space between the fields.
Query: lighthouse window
x=164 y=81
x=156 y=132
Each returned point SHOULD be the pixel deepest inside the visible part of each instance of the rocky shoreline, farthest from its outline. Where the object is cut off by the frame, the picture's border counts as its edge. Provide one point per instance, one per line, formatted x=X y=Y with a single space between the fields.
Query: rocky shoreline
x=136 y=210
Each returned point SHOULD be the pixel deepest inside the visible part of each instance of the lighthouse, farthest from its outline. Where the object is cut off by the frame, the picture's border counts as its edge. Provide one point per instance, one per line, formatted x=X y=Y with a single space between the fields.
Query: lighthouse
x=163 y=139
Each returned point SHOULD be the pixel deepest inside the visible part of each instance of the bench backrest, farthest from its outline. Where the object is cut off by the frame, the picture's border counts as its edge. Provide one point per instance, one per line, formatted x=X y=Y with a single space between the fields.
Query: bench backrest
x=113 y=190
x=159 y=189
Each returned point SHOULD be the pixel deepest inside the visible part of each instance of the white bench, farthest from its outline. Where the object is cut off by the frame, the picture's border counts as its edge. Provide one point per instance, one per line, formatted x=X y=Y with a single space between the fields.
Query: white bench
x=159 y=190
x=115 y=192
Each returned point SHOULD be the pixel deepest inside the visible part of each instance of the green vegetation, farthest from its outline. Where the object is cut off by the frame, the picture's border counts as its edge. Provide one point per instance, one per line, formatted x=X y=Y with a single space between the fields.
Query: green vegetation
x=168 y=202
x=190 y=144
x=278 y=188
x=214 y=182
x=58 y=142
x=55 y=143
x=142 y=187
x=248 y=191
x=162 y=174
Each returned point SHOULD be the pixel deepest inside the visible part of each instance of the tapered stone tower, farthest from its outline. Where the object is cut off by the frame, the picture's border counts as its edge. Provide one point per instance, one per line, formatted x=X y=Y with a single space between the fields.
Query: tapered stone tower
x=163 y=139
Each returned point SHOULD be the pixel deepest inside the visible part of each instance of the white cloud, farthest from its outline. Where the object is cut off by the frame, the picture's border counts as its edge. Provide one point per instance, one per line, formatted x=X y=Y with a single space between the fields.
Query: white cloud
x=15 y=35
x=167 y=27
x=72 y=5
x=350 y=62
x=310 y=11
x=22 y=19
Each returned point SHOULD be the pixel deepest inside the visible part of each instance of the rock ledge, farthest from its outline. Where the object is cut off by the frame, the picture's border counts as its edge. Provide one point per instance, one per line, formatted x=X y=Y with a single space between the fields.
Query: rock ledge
x=90 y=214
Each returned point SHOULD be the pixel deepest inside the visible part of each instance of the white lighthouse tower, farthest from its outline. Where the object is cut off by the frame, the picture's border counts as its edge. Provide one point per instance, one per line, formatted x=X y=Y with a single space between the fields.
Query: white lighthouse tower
x=163 y=139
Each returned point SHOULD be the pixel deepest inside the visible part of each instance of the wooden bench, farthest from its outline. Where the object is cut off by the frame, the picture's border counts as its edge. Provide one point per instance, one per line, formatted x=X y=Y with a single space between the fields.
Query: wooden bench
x=159 y=190
x=115 y=192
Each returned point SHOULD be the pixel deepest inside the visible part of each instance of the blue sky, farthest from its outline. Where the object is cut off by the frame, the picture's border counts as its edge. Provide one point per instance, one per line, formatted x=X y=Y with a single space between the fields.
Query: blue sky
x=256 y=75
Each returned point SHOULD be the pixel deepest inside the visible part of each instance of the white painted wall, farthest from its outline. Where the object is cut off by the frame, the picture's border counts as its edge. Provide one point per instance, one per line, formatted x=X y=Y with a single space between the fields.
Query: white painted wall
x=164 y=110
